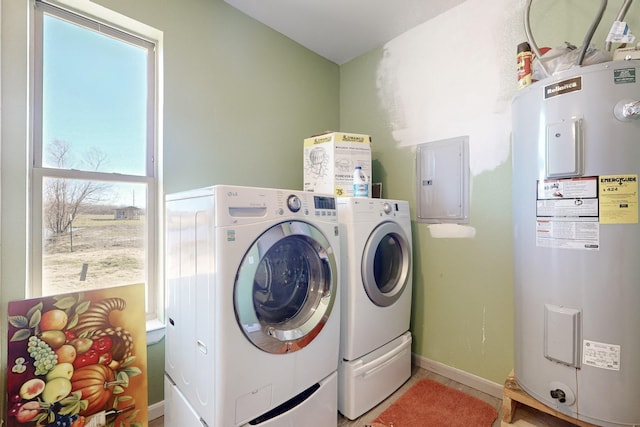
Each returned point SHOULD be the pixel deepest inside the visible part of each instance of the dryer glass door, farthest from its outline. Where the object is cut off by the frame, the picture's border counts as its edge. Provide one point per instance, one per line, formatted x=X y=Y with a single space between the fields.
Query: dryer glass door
x=285 y=287
x=386 y=263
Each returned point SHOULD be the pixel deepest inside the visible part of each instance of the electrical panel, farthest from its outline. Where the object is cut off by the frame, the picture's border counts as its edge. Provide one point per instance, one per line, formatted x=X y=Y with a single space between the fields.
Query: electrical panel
x=443 y=181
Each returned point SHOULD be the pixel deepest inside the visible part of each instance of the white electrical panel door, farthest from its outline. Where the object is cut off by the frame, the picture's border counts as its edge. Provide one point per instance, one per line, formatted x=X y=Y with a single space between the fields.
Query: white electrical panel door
x=443 y=181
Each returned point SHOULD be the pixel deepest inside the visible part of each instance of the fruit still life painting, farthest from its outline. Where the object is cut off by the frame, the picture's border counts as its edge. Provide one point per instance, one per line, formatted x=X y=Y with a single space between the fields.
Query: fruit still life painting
x=78 y=360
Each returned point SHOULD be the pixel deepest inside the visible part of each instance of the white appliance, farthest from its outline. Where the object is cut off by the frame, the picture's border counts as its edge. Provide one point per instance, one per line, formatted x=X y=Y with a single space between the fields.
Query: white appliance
x=253 y=317
x=375 y=342
x=576 y=240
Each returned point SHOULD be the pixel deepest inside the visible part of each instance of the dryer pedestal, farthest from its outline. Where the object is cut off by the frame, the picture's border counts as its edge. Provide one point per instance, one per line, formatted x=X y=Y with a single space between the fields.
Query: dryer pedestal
x=177 y=410
x=318 y=409
x=367 y=381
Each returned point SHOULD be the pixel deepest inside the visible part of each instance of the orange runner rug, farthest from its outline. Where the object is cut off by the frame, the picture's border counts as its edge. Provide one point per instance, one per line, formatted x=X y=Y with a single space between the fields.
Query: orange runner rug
x=431 y=404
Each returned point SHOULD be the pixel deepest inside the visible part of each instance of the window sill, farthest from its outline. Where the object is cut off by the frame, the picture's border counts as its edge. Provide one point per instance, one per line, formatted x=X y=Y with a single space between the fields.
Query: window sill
x=155 y=331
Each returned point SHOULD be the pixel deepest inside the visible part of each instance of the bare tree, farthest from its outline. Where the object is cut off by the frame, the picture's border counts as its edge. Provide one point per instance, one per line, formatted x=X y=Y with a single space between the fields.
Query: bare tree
x=64 y=198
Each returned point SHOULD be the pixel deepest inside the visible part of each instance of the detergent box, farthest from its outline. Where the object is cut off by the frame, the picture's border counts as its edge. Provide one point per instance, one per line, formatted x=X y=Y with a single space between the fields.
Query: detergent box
x=330 y=159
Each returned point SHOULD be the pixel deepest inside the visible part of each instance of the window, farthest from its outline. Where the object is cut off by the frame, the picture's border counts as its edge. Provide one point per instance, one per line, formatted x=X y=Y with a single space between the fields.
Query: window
x=94 y=180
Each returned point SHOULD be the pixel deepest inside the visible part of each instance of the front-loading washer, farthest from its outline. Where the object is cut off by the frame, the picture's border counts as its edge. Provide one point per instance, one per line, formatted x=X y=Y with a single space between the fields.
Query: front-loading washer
x=375 y=342
x=253 y=319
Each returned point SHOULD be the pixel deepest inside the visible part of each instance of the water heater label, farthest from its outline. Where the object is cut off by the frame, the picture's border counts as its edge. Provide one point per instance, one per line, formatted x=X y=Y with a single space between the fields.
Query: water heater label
x=624 y=75
x=601 y=355
x=568 y=233
x=567 y=214
x=572 y=188
x=618 y=199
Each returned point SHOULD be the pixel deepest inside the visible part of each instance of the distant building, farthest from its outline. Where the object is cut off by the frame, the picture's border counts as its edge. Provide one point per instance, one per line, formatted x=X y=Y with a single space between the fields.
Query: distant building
x=130 y=212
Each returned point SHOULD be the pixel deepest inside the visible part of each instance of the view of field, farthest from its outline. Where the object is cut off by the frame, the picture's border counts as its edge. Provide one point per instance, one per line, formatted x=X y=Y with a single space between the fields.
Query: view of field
x=99 y=251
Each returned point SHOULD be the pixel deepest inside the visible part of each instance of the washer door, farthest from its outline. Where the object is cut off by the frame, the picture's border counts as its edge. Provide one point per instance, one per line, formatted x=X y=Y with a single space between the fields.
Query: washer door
x=285 y=287
x=386 y=263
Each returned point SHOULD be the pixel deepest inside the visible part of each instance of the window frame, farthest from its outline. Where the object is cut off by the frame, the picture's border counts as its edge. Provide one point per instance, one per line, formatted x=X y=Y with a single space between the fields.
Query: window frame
x=38 y=173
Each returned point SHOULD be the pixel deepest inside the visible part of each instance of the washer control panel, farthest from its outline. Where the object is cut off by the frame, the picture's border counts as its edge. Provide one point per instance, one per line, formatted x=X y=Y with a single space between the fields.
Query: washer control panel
x=293 y=203
x=307 y=204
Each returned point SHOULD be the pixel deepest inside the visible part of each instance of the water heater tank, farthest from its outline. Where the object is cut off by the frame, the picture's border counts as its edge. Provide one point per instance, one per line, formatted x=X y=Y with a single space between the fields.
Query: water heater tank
x=576 y=161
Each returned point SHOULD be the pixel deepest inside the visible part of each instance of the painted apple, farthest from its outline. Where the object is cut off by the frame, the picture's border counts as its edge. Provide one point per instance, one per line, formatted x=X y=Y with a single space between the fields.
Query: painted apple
x=66 y=353
x=53 y=320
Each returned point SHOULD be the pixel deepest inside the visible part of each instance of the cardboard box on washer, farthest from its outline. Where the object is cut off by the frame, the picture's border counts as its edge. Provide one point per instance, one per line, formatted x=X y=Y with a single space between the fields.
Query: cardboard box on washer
x=330 y=159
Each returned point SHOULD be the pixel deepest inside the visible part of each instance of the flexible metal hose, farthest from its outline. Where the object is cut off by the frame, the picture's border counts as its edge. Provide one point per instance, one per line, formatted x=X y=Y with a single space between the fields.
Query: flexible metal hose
x=532 y=43
x=589 y=35
x=585 y=43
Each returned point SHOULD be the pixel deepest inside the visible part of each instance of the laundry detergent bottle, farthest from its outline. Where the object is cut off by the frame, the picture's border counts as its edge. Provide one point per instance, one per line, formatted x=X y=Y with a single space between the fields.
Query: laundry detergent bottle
x=360 y=183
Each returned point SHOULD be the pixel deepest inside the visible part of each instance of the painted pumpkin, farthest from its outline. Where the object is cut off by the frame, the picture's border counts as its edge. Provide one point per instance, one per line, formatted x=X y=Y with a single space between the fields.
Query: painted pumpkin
x=95 y=382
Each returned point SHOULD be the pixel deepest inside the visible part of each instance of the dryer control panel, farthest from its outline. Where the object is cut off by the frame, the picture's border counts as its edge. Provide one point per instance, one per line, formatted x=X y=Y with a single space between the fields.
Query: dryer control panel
x=370 y=209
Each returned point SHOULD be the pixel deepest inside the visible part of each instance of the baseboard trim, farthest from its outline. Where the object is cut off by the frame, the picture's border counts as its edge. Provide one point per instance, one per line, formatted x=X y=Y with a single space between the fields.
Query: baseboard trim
x=457 y=375
x=156 y=410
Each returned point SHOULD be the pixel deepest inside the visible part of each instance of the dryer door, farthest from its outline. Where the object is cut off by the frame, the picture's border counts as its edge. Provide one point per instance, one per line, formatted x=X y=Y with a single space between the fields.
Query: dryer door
x=386 y=263
x=285 y=287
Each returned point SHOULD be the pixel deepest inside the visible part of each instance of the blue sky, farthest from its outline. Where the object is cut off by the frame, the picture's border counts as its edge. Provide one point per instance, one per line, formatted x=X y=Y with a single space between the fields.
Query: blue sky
x=94 y=96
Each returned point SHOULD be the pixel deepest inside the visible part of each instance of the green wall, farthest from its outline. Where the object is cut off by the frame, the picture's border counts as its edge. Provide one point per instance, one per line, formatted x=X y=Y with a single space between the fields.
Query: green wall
x=239 y=97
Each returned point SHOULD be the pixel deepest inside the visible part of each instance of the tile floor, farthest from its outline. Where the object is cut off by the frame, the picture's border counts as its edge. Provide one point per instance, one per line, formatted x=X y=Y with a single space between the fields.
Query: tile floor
x=524 y=416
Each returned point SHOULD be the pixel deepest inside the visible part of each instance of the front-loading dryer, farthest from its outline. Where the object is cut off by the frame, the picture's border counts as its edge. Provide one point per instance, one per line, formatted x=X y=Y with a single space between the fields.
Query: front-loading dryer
x=253 y=317
x=375 y=342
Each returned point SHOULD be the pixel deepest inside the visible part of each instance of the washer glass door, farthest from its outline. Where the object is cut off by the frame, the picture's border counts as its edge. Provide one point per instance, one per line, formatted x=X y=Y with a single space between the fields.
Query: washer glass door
x=285 y=287
x=386 y=263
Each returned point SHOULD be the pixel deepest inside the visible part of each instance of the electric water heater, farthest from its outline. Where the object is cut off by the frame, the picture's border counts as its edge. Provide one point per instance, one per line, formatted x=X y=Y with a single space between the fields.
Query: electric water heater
x=576 y=161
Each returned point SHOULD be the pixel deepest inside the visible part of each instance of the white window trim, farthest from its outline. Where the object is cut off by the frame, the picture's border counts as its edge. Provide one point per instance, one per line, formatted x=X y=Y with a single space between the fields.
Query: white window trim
x=155 y=314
